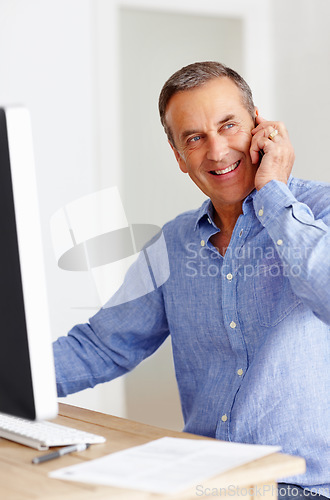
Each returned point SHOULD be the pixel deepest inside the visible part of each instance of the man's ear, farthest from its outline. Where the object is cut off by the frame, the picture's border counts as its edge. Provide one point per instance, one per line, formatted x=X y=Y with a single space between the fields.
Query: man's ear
x=179 y=159
x=256 y=113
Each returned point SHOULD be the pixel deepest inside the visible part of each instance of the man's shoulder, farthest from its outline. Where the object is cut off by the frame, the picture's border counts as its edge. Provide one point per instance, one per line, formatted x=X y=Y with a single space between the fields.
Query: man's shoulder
x=306 y=186
x=186 y=221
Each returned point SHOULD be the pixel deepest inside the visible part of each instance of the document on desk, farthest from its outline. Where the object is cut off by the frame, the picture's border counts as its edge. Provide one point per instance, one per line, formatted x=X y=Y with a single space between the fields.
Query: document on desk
x=167 y=465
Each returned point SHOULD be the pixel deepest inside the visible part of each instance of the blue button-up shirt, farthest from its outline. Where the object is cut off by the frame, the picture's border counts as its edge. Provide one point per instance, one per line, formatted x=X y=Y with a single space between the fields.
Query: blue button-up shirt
x=249 y=330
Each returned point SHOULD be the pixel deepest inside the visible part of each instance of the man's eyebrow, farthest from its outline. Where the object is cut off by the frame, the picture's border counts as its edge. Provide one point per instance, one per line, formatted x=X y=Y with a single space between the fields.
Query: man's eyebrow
x=187 y=133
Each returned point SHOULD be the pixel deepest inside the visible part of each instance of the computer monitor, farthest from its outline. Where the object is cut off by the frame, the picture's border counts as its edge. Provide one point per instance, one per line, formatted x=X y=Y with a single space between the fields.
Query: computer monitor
x=27 y=375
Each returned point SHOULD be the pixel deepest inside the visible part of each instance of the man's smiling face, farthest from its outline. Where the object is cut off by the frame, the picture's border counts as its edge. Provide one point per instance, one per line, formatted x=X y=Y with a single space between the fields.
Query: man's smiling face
x=211 y=130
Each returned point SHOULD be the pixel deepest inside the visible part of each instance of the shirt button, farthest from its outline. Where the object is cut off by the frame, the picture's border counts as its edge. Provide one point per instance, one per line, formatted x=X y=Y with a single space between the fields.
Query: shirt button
x=229 y=276
x=240 y=372
x=241 y=233
x=261 y=212
x=224 y=418
x=279 y=242
x=203 y=243
x=232 y=324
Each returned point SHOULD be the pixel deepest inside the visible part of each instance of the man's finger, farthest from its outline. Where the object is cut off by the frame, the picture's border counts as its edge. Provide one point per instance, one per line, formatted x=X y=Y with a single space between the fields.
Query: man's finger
x=255 y=151
x=260 y=119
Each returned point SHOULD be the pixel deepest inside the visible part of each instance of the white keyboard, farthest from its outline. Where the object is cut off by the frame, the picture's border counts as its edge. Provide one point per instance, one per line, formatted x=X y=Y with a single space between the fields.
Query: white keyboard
x=42 y=435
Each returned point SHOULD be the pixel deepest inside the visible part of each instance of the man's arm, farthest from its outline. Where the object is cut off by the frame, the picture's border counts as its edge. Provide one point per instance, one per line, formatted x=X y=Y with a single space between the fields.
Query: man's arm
x=302 y=240
x=115 y=340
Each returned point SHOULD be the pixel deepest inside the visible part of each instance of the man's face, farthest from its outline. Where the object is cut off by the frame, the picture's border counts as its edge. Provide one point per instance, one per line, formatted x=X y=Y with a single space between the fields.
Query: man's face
x=212 y=134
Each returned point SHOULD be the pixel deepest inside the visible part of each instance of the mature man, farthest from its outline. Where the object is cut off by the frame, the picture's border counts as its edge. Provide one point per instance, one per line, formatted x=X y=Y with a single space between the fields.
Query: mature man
x=247 y=302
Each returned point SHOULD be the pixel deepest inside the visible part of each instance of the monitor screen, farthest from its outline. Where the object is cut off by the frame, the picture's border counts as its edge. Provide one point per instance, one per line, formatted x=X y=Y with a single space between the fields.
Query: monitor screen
x=27 y=376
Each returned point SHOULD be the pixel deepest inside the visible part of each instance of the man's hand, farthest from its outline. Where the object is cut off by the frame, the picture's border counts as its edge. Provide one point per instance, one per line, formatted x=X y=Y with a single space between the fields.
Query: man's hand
x=278 y=158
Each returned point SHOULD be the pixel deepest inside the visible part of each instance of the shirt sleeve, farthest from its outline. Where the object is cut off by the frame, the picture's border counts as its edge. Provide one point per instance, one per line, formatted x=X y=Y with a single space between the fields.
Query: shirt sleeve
x=302 y=241
x=114 y=341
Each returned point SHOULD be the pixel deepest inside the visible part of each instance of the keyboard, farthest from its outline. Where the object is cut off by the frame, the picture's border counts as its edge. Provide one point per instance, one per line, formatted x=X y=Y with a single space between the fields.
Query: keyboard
x=42 y=435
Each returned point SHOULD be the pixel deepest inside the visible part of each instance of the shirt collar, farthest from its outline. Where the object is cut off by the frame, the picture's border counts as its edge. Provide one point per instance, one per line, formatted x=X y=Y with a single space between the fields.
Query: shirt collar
x=247 y=203
x=207 y=209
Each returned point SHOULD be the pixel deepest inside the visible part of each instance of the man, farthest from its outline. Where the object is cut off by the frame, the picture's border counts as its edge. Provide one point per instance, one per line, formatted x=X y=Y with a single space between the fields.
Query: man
x=247 y=301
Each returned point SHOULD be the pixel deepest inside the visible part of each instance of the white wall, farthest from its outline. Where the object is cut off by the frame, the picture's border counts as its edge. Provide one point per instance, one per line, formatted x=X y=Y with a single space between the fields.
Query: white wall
x=302 y=74
x=47 y=63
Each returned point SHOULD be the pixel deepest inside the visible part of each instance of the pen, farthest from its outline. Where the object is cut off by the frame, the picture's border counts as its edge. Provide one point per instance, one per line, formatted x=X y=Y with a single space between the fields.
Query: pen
x=59 y=453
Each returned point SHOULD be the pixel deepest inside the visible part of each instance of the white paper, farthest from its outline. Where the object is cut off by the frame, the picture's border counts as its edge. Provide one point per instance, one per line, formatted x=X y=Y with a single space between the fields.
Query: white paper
x=167 y=465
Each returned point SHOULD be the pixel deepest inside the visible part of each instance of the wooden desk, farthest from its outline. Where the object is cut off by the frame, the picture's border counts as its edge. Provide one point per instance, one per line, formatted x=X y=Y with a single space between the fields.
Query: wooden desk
x=21 y=480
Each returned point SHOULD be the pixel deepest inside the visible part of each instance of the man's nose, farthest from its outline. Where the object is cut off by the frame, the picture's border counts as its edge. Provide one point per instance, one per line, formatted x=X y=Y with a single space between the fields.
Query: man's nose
x=217 y=148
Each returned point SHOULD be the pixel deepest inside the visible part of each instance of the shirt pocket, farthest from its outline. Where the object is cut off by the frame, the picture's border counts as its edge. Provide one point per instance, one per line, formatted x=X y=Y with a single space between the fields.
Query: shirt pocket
x=273 y=294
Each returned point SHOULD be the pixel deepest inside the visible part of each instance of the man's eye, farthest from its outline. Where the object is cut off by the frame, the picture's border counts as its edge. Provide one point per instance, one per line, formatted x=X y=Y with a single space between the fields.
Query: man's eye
x=228 y=126
x=194 y=139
